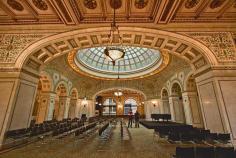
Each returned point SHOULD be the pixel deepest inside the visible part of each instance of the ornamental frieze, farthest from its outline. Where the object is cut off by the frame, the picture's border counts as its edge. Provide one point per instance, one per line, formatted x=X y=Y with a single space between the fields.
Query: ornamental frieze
x=11 y=45
x=221 y=44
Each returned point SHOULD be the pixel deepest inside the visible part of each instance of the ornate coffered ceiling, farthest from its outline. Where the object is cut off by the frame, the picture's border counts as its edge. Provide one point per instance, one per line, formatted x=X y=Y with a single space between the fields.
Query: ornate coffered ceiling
x=74 y=12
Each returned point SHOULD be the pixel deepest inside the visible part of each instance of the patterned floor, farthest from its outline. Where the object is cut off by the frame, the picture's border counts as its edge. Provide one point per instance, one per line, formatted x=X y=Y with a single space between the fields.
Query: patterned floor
x=141 y=145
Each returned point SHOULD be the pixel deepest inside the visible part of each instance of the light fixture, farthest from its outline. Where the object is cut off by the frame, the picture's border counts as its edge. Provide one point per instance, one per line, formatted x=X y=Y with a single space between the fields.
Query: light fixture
x=154 y=102
x=118 y=93
x=114 y=51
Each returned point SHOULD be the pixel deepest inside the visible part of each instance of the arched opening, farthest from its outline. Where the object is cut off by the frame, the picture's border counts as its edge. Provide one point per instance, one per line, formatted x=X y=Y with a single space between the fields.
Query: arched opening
x=37 y=102
x=61 y=102
x=130 y=104
x=191 y=103
x=73 y=104
x=109 y=103
x=165 y=102
x=177 y=103
x=42 y=103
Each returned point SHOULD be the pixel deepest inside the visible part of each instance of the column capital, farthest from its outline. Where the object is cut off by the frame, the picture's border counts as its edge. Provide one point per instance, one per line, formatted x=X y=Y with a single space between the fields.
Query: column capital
x=189 y=93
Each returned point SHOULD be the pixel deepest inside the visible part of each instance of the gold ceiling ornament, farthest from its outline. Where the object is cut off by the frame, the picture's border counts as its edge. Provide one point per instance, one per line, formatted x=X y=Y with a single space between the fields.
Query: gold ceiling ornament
x=191 y=3
x=216 y=3
x=40 y=4
x=140 y=4
x=115 y=4
x=15 y=5
x=90 y=4
x=114 y=51
x=72 y=62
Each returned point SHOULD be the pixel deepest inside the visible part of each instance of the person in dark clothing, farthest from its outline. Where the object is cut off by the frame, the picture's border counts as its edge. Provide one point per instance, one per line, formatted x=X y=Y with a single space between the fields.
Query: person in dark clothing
x=137 y=117
x=130 y=118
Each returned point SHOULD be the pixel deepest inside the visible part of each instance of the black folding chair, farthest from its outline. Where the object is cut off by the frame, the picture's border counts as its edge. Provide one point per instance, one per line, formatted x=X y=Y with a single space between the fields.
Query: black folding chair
x=184 y=152
x=205 y=152
x=224 y=152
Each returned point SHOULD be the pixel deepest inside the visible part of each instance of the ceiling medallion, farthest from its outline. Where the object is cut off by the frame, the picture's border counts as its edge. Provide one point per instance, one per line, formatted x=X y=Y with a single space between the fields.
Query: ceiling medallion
x=90 y=4
x=115 y=4
x=114 y=51
x=191 y=3
x=40 y=4
x=15 y=5
x=140 y=4
x=216 y=3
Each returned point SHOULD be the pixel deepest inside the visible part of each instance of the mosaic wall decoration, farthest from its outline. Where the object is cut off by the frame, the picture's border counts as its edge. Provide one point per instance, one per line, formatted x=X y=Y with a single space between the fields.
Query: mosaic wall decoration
x=11 y=45
x=220 y=43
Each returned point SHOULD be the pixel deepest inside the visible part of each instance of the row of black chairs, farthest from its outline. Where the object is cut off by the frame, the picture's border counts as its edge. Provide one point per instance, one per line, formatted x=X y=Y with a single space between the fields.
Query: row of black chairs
x=103 y=128
x=85 y=128
x=181 y=132
x=163 y=117
x=47 y=126
x=66 y=128
x=205 y=152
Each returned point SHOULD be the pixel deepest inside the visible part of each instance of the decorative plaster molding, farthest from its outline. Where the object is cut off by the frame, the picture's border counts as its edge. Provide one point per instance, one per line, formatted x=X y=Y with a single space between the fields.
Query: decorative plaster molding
x=220 y=43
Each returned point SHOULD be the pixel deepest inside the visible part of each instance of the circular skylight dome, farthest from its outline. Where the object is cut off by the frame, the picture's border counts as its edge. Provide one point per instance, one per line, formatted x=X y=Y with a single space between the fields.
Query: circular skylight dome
x=137 y=62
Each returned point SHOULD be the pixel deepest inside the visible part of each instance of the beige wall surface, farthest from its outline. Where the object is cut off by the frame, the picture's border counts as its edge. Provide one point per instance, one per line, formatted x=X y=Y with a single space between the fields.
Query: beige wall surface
x=210 y=107
x=228 y=91
x=23 y=107
x=6 y=88
x=196 y=117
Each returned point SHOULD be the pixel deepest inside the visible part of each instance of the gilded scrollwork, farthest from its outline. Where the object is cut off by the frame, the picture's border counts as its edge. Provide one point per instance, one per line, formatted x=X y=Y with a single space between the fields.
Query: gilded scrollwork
x=220 y=43
x=11 y=45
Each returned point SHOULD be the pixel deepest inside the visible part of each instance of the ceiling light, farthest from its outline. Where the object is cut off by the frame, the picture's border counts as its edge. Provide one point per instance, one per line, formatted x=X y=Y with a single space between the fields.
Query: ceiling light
x=118 y=93
x=115 y=51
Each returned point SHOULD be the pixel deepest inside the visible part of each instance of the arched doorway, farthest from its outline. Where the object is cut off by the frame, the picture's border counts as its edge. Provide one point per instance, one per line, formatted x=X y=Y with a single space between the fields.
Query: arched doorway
x=130 y=104
x=176 y=100
x=165 y=102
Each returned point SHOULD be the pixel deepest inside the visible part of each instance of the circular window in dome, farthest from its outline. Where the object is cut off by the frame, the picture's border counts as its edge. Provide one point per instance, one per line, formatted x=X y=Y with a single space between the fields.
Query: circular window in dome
x=138 y=62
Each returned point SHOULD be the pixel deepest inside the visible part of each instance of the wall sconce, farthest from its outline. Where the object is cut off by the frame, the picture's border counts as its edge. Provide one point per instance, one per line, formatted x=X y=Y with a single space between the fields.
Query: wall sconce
x=154 y=103
x=84 y=102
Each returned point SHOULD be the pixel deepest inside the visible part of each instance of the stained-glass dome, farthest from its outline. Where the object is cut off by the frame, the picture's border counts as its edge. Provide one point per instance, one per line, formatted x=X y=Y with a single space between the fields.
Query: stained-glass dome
x=136 y=62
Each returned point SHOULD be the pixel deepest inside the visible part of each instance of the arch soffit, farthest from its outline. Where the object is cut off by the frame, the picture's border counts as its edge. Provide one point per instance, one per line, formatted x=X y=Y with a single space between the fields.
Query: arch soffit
x=176 y=82
x=165 y=88
x=131 y=98
x=186 y=80
x=44 y=73
x=74 y=89
x=65 y=84
x=48 y=48
x=115 y=88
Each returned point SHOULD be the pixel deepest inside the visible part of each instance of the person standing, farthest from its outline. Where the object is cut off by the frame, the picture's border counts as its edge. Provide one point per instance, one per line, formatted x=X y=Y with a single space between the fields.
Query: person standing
x=137 y=117
x=130 y=118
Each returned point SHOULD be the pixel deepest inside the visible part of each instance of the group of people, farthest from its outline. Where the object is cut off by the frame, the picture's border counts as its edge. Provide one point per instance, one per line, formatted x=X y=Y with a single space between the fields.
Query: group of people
x=132 y=118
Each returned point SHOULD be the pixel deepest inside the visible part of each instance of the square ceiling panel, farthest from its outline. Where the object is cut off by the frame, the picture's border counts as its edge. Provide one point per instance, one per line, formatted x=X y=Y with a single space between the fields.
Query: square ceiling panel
x=42 y=7
x=90 y=8
x=19 y=8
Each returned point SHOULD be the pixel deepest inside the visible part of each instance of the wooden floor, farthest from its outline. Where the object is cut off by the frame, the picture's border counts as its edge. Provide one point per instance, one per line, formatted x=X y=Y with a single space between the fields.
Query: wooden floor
x=142 y=144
